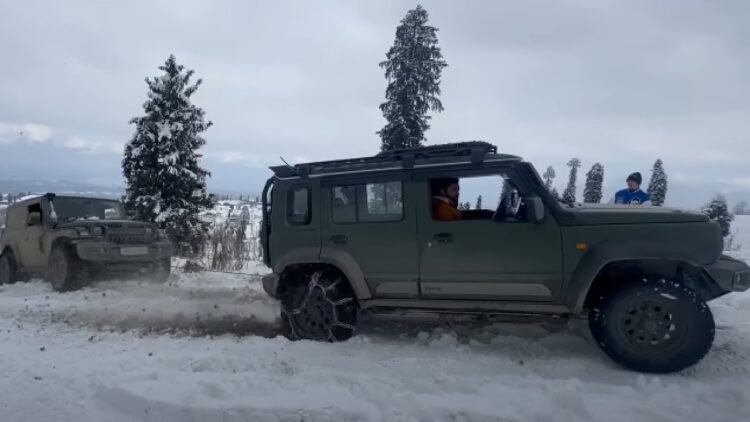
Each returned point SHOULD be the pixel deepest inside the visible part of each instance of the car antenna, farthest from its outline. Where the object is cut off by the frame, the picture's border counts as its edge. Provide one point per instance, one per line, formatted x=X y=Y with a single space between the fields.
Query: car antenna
x=285 y=163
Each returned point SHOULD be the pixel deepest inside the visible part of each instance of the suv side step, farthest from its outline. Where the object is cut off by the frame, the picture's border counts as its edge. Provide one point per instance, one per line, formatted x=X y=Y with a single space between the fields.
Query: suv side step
x=468 y=306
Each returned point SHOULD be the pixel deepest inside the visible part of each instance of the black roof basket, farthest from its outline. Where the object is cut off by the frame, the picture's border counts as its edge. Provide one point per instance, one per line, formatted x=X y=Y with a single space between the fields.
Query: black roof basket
x=403 y=158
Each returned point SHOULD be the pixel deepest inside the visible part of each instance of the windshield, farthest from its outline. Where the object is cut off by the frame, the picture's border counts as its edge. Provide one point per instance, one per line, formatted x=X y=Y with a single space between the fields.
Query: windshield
x=88 y=209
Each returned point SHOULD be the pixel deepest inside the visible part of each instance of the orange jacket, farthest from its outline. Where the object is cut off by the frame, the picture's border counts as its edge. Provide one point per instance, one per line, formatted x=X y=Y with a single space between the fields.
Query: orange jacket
x=443 y=210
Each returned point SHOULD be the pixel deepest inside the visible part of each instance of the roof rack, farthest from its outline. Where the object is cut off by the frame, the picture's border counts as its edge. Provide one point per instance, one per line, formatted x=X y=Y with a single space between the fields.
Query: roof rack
x=405 y=158
x=442 y=150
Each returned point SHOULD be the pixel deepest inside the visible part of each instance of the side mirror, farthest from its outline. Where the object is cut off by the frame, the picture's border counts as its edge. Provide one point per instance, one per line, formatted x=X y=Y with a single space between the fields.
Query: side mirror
x=535 y=209
x=34 y=219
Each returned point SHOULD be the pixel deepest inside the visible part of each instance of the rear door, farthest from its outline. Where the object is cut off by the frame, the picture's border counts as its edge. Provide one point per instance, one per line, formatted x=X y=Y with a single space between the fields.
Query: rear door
x=482 y=259
x=293 y=208
x=30 y=242
x=373 y=222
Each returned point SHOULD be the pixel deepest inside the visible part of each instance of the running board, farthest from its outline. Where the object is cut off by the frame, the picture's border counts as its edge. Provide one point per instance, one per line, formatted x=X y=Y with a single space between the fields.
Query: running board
x=461 y=306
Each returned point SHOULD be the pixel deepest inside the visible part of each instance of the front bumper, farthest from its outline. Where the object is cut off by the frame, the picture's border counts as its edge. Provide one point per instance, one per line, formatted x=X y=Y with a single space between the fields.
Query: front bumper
x=102 y=251
x=271 y=284
x=730 y=274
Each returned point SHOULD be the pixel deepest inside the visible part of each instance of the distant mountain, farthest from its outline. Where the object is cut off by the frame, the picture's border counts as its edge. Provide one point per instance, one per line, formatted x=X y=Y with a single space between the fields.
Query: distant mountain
x=59 y=186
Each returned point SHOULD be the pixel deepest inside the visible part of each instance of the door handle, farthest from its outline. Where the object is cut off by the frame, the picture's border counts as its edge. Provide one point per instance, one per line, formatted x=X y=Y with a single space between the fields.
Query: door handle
x=443 y=237
x=339 y=239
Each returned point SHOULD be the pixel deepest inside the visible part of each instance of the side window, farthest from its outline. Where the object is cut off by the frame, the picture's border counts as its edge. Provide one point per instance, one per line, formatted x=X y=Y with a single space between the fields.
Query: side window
x=491 y=197
x=373 y=202
x=384 y=202
x=34 y=208
x=298 y=206
x=344 y=207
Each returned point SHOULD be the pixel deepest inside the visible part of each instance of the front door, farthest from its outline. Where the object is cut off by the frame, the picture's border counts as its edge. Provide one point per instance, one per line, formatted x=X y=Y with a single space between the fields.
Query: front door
x=371 y=223
x=487 y=257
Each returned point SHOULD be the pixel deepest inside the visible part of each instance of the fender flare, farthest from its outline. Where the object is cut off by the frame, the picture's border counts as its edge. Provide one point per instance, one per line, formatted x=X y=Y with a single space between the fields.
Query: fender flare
x=577 y=288
x=331 y=256
x=13 y=250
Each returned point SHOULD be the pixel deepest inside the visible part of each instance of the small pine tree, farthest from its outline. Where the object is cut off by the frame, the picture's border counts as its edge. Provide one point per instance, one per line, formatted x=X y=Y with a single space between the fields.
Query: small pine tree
x=549 y=178
x=657 y=186
x=161 y=164
x=569 y=195
x=592 y=192
x=412 y=68
x=718 y=211
x=741 y=208
x=478 y=205
x=555 y=194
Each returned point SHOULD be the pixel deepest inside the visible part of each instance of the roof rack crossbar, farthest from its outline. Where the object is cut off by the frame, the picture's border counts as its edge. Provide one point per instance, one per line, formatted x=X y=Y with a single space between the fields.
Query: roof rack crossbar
x=473 y=151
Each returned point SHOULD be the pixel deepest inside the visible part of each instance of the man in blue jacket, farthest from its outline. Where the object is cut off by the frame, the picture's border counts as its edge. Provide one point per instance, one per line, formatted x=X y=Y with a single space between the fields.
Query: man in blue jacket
x=633 y=195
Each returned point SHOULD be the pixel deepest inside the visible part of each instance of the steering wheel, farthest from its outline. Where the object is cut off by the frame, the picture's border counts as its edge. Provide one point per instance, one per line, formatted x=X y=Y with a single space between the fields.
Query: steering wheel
x=512 y=210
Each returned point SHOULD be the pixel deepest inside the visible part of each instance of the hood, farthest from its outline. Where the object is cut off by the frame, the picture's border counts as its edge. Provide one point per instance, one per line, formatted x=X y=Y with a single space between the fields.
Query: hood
x=112 y=224
x=591 y=214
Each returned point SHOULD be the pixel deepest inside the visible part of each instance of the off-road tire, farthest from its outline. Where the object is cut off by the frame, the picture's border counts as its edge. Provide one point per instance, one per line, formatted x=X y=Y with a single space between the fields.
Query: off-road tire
x=8 y=272
x=653 y=325
x=319 y=307
x=65 y=271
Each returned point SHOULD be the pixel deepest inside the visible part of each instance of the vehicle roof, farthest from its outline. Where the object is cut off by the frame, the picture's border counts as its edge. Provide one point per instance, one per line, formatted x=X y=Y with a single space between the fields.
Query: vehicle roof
x=33 y=198
x=475 y=152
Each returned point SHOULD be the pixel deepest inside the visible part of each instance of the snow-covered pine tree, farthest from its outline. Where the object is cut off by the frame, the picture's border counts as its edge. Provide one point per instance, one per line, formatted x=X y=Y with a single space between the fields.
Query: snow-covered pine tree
x=412 y=68
x=549 y=178
x=569 y=194
x=592 y=192
x=478 y=205
x=657 y=186
x=161 y=164
x=718 y=211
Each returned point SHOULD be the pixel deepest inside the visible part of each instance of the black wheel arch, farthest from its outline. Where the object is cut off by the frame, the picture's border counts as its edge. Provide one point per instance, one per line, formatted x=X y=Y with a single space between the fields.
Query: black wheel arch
x=614 y=273
x=293 y=274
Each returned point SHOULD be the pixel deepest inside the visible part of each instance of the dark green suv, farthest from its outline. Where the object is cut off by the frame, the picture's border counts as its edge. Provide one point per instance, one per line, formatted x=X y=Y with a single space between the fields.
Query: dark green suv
x=362 y=233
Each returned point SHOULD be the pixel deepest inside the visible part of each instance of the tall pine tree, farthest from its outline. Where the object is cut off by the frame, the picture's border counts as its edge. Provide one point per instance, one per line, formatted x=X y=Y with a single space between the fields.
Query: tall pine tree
x=569 y=194
x=718 y=211
x=592 y=192
x=412 y=68
x=549 y=177
x=657 y=186
x=161 y=165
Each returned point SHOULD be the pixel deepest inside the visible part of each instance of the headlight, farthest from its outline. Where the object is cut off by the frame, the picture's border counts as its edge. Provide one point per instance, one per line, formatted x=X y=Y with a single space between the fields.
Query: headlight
x=97 y=231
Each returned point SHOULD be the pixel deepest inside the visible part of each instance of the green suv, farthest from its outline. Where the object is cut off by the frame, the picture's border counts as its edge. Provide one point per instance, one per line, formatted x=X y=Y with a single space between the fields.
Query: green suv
x=361 y=234
x=70 y=239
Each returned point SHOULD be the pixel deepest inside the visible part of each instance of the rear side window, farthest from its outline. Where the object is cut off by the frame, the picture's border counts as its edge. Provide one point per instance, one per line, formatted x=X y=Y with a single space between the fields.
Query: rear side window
x=298 y=206
x=373 y=202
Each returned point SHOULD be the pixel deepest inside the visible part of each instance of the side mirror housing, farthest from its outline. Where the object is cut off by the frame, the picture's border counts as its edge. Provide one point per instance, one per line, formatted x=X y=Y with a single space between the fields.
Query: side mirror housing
x=34 y=219
x=535 y=209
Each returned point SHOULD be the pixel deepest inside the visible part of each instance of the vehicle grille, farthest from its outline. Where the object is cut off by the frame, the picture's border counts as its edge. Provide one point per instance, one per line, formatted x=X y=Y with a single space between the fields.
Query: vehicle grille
x=128 y=238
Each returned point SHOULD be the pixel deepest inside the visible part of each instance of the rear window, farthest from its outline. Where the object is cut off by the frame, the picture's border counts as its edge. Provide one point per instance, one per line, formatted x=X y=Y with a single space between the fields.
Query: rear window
x=298 y=206
x=373 y=202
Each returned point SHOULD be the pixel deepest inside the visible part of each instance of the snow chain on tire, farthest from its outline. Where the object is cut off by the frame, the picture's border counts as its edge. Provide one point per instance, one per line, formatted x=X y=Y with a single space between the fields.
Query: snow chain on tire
x=328 y=294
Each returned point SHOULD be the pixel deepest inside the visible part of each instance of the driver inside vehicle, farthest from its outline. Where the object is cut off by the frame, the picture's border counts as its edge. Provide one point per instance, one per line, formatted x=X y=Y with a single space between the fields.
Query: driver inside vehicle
x=445 y=193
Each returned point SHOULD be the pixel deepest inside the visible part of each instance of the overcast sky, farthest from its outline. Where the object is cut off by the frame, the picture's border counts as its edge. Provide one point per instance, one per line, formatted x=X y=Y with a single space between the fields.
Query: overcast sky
x=621 y=83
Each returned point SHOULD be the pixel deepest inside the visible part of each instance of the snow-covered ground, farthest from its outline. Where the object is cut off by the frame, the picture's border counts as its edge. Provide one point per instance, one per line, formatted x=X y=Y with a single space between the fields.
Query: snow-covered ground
x=203 y=347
